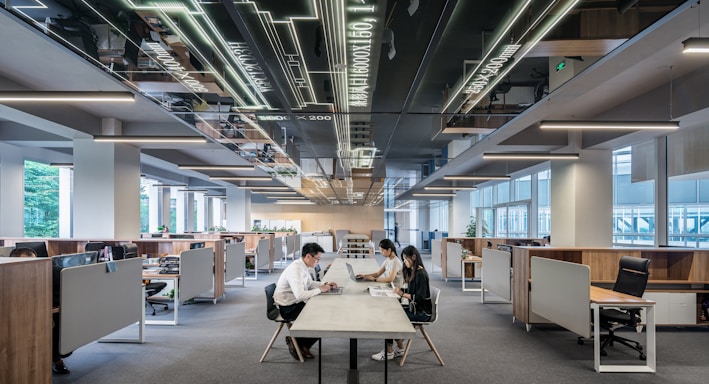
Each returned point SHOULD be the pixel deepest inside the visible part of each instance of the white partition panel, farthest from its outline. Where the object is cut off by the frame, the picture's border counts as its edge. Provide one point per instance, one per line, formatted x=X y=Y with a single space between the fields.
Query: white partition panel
x=196 y=272
x=496 y=273
x=453 y=252
x=298 y=245
x=278 y=249
x=561 y=293
x=290 y=247
x=95 y=303
x=263 y=254
x=435 y=254
x=235 y=261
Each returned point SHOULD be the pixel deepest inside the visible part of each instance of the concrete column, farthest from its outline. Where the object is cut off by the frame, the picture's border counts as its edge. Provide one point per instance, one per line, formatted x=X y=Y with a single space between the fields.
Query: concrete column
x=189 y=212
x=107 y=190
x=460 y=213
x=66 y=189
x=165 y=200
x=201 y=218
x=238 y=209
x=154 y=199
x=582 y=200
x=181 y=212
x=12 y=191
x=661 y=209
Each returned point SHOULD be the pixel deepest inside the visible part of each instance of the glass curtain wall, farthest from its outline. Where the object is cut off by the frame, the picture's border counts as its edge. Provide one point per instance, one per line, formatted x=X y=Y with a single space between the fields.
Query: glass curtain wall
x=633 y=196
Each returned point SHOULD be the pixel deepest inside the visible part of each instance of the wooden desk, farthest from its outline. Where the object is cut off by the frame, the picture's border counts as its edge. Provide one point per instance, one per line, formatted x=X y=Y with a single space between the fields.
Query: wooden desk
x=600 y=298
x=176 y=298
x=353 y=315
x=562 y=294
x=469 y=260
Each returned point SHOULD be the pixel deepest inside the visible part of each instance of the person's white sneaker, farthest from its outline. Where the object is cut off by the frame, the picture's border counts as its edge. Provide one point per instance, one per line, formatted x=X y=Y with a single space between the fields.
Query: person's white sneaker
x=380 y=356
x=398 y=352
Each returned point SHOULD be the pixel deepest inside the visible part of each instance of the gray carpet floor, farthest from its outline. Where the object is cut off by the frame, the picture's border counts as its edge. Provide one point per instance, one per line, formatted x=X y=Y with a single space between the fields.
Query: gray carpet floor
x=222 y=343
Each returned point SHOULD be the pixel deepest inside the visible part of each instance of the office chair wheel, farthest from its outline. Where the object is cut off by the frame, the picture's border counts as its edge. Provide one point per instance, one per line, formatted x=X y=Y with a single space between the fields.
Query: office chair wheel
x=642 y=357
x=603 y=352
x=579 y=340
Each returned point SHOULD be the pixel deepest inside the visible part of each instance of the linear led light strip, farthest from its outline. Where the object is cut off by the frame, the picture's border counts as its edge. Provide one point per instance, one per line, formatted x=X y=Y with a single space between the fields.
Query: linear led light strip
x=476 y=177
x=530 y=156
x=503 y=34
x=226 y=48
x=645 y=125
x=433 y=194
x=520 y=55
x=273 y=38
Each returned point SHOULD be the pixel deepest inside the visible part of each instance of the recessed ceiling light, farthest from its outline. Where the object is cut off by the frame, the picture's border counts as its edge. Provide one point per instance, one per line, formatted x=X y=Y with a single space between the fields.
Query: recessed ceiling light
x=645 y=125
x=217 y=167
x=530 y=156
x=476 y=177
x=150 y=139
x=65 y=96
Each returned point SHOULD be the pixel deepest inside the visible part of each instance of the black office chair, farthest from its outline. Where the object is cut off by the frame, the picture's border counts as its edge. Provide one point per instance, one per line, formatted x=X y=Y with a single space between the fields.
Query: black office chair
x=152 y=289
x=272 y=313
x=97 y=246
x=633 y=273
x=129 y=250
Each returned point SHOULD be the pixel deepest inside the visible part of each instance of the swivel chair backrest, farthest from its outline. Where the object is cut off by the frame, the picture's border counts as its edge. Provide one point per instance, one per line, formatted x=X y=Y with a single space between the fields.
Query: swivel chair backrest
x=130 y=250
x=272 y=311
x=633 y=273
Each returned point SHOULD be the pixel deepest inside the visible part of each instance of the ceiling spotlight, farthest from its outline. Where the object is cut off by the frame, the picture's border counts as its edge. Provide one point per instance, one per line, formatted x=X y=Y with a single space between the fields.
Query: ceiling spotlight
x=530 y=156
x=388 y=39
x=645 y=125
x=413 y=6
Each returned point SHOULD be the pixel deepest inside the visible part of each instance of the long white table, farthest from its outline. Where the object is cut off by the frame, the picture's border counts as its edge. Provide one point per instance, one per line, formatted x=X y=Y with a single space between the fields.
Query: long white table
x=353 y=315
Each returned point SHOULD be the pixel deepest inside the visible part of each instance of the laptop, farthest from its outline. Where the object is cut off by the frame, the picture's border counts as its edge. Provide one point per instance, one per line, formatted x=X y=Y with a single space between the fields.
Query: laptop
x=333 y=291
x=352 y=274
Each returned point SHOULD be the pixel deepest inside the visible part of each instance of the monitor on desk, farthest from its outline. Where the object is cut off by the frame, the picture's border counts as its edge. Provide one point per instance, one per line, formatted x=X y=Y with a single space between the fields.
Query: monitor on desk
x=39 y=247
x=75 y=259
x=200 y=244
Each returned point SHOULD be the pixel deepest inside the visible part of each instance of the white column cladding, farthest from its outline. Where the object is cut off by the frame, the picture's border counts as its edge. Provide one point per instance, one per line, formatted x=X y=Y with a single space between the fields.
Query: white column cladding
x=238 y=209
x=189 y=212
x=460 y=213
x=66 y=185
x=582 y=200
x=12 y=191
x=107 y=189
x=209 y=212
x=165 y=207
x=154 y=195
x=200 y=220
x=181 y=212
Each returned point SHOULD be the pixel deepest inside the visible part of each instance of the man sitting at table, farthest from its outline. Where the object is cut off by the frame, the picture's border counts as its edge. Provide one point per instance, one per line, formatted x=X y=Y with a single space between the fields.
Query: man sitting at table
x=293 y=289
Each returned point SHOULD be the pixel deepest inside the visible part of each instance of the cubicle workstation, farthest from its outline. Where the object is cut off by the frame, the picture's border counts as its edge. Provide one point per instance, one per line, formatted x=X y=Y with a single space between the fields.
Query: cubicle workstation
x=561 y=292
x=261 y=258
x=150 y=247
x=496 y=277
x=678 y=280
x=451 y=249
x=196 y=280
x=96 y=301
x=27 y=283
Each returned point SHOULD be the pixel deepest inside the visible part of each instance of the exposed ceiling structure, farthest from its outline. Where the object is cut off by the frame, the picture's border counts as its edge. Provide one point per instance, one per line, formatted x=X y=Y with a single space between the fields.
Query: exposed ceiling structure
x=339 y=100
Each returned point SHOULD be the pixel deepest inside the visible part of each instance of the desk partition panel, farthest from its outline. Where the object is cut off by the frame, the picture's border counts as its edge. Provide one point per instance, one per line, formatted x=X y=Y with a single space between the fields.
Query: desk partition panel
x=453 y=250
x=196 y=272
x=263 y=253
x=278 y=249
x=561 y=293
x=235 y=261
x=435 y=254
x=496 y=276
x=95 y=303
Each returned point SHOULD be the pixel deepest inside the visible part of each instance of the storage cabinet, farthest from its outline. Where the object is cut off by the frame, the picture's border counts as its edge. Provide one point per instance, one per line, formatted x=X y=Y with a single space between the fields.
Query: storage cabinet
x=355 y=246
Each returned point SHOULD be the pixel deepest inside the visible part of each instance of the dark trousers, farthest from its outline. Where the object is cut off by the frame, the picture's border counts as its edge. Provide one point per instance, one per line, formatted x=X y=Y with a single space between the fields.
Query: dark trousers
x=290 y=313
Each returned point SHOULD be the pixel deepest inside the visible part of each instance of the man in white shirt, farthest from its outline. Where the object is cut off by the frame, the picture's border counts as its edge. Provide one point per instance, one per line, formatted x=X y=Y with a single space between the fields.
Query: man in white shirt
x=294 y=287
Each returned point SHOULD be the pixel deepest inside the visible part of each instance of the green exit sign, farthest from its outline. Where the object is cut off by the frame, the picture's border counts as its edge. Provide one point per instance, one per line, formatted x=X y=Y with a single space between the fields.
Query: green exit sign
x=561 y=65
